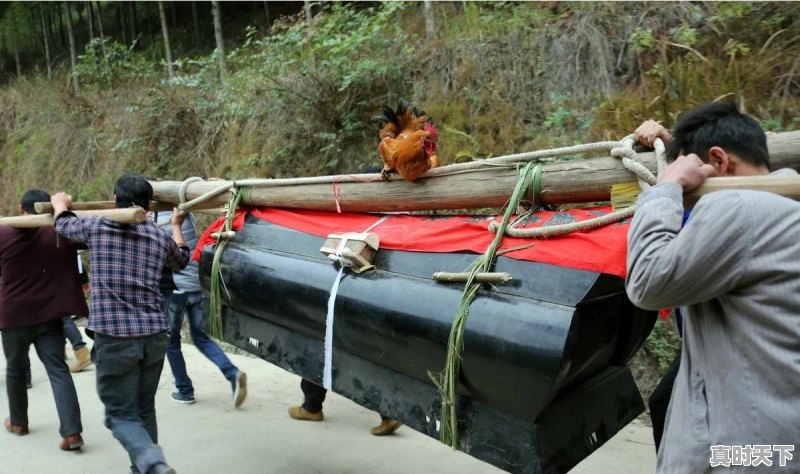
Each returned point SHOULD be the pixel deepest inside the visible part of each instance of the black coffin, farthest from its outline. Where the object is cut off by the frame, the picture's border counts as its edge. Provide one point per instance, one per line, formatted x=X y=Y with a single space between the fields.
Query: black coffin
x=543 y=381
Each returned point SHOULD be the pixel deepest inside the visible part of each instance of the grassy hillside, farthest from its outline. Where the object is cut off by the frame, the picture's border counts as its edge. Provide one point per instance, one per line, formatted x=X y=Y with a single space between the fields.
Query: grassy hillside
x=499 y=78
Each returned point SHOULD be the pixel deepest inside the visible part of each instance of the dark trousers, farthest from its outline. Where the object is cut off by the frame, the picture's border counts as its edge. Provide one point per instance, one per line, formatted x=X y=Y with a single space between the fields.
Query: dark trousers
x=48 y=339
x=128 y=372
x=659 y=399
x=72 y=333
x=314 y=396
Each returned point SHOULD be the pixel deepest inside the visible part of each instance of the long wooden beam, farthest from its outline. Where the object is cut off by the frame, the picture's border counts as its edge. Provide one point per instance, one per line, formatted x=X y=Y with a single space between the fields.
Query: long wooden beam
x=787 y=186
x=581 y=180
x=124 y=216
x=45 y=207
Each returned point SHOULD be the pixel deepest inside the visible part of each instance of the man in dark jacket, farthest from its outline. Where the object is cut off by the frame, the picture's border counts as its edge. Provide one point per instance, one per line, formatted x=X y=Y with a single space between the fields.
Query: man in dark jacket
x=39 y=286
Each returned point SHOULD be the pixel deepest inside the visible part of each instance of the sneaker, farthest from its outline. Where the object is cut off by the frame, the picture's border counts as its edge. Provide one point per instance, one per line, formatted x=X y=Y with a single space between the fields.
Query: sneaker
x=239 y=385
x=387 y=427
x=300 y=413
x=181 y=398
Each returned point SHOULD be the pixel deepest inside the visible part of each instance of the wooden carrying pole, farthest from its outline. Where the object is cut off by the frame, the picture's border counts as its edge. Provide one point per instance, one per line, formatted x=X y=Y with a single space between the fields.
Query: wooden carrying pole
x=587 y=180
x=46 y=207
x=129 y=215
x=786 y=186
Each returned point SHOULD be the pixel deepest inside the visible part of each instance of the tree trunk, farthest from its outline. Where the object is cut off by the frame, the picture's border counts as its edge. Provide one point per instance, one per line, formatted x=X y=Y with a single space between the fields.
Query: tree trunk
x=266 y=14
x=46 y=39
x=195 y=26
x=430 y=33
x=174 y=15
x=132 y=20
x=16 y=60
x=89 y=16
x=99 y=20
x=307 y=7
x=102 y=35
x=216 y=11
x=167 y=50
x=586 y=180
x=61 y=28
x=121 y=16
x=73 y=53
x=149 y=15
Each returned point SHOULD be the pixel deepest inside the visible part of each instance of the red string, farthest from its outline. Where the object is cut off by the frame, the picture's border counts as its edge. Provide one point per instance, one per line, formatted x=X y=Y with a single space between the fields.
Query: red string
x=336 y=197
x=336 y=188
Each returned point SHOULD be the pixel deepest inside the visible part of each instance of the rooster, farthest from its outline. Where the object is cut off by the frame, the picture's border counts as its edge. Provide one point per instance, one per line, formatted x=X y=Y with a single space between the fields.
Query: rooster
x=408 y=141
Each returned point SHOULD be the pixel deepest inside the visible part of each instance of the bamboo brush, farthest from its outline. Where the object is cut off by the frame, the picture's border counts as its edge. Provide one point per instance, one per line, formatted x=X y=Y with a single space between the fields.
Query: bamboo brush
x=624 y=194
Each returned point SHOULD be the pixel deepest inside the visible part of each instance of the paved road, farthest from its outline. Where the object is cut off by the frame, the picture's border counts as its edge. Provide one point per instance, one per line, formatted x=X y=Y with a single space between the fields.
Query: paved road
x=260 y=438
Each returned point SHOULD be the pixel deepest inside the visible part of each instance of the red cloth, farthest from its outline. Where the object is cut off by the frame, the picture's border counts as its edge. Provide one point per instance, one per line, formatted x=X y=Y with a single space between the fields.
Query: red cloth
x=600 y=250
x=206 y=239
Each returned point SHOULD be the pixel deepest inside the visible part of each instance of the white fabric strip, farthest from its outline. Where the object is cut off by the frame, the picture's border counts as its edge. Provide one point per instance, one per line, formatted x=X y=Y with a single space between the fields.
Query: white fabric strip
x=327 y=374
x=327 y=371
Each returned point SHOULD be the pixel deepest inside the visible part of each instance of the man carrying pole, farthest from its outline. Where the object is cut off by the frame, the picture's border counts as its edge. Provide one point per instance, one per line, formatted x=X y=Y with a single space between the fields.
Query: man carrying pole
x=127 y=314
x=39 y=287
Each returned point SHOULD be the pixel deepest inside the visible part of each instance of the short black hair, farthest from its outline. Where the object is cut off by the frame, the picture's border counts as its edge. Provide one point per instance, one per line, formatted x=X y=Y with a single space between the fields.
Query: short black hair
x=31 y=197
x=719 y=124
x=133 y=190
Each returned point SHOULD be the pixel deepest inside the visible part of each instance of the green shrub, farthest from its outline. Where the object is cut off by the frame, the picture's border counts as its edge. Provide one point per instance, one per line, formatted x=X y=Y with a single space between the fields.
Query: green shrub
x=663 y=343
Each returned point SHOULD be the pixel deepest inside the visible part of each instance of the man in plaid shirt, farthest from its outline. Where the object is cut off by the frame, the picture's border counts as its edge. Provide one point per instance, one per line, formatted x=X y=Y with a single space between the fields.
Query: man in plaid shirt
x=126 y=314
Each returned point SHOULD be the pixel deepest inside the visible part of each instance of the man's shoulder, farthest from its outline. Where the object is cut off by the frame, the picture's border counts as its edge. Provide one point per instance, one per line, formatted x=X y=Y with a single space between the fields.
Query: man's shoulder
x=784 y=172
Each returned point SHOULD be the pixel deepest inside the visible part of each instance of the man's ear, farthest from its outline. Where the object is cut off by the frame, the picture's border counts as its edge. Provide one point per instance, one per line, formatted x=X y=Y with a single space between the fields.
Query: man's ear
x=719 y=159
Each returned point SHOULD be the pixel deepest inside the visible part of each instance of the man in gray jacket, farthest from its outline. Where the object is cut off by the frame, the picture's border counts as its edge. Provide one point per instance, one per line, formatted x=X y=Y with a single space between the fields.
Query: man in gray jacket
x=187 y=299
x=734 y=271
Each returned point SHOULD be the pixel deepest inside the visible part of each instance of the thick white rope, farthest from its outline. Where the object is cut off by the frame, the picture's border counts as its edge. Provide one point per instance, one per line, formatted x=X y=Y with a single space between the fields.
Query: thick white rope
x=185 y=184
x=630 y=159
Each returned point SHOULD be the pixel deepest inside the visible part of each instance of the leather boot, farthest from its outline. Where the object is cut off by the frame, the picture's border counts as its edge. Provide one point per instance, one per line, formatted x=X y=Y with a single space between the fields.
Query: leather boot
x=387 y=427
x=82 y=360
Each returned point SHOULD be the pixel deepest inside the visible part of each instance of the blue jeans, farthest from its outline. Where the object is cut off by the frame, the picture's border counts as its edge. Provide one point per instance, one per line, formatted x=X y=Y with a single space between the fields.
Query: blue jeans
x=73 y=334
x=48 y=339
x=128 y=371
x=191 y=303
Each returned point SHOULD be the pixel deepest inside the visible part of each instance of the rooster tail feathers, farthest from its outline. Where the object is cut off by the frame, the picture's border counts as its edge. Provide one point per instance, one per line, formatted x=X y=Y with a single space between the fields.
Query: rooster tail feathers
x=404 y=117
x=402 y=106
x=387 y=115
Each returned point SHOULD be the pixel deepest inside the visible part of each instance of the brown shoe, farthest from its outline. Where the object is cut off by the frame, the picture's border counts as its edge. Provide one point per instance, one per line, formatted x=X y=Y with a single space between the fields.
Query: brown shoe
x=387 y=427
x=71 y=442
x=300 y=413
x=15 y=429
x=82 y=360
